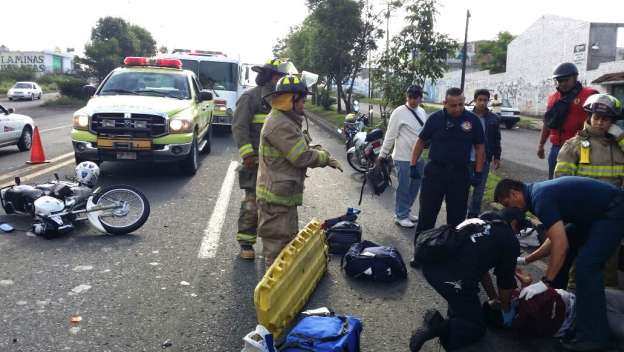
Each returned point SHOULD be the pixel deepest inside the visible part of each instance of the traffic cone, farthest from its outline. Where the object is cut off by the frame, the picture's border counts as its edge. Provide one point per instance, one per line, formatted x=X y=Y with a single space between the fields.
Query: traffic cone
x=37 y=156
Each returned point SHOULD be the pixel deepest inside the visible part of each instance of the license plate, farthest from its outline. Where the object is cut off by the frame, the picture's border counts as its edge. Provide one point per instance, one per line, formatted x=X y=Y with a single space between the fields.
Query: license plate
x=119 y=143
x=126 y=156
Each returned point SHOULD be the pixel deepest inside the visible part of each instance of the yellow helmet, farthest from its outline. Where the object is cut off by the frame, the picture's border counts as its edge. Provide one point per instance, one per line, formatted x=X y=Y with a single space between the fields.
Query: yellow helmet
x=350 y=117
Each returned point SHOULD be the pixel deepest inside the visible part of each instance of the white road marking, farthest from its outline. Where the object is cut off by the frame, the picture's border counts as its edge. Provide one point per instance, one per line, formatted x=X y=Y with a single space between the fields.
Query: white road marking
x=55 y=128
x=210 y=242
x=41 y=172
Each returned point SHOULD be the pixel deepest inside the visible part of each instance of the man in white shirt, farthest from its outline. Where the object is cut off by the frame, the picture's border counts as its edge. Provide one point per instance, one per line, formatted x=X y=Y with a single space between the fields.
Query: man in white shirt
x=405 y=124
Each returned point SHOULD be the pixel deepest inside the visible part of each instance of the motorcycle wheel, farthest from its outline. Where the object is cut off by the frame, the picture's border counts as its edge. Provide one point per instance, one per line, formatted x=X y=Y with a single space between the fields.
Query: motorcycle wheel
x=355 y=163
x=131 y=217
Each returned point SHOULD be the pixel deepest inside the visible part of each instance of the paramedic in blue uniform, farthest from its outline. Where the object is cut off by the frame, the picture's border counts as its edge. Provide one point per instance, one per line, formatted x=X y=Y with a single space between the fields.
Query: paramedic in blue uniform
x=451 y=133
x=597 y=209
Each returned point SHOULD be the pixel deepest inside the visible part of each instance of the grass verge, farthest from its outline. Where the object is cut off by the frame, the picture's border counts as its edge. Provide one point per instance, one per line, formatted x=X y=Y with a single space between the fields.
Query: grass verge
x=65 y=101
x=330 y=116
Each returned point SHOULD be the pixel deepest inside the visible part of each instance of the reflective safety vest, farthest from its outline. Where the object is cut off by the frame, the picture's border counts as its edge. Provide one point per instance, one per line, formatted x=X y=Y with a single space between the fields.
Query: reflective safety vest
x=594 y=155
x=249 y=116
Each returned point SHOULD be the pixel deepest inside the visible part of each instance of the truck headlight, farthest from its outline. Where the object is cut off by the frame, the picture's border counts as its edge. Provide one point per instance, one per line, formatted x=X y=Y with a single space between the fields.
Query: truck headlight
x=81 y=121
x=180 y=126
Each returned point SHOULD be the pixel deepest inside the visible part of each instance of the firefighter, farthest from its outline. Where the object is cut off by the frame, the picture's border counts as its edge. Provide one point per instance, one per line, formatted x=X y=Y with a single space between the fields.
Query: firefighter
x=596 y=152
x=251 y=110
x=285 y=155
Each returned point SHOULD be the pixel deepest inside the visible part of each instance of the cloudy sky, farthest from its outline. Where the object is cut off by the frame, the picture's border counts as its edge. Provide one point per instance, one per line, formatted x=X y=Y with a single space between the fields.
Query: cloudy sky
x=249 y=28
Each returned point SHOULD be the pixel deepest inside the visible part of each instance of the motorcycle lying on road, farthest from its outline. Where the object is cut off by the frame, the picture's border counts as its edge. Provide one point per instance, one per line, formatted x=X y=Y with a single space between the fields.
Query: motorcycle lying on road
x=56 y=205
x=365 y=150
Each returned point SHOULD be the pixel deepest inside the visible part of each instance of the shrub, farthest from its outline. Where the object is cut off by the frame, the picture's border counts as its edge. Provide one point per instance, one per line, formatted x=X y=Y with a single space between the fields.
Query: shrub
x=17 y=73
x=72 y=87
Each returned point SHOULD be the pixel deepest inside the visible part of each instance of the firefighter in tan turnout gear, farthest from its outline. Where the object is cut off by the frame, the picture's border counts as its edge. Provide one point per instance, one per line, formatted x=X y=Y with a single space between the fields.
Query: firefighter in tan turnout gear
x=285 y=155
x=252 y=109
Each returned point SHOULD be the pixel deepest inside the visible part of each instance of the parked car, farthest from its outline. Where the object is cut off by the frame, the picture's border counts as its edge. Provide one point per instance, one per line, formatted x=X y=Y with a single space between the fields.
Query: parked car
x=508 y=115
x=15 y=129
x=25 y=90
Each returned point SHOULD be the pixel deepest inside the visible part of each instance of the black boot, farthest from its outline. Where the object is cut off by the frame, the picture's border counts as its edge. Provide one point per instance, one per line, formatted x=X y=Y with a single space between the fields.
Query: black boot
x=433 y=326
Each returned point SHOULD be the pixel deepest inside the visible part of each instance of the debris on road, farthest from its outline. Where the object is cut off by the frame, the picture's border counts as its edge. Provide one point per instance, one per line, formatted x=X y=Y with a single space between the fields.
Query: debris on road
x=167 y=344
x=6 y=282
x=184 y=283
x=83 y=268
x=79 y=289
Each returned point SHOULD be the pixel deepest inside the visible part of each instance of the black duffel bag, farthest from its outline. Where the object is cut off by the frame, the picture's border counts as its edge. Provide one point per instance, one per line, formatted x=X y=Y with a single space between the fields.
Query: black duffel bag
x=342 y=236
x=369 y=261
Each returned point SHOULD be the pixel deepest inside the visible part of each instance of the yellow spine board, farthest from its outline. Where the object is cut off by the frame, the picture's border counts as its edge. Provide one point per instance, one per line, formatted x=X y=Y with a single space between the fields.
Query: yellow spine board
x=289 y=282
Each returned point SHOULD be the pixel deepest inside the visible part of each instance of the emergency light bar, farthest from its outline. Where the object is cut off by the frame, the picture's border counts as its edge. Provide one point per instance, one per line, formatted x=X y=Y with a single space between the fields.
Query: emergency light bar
x=145 y=61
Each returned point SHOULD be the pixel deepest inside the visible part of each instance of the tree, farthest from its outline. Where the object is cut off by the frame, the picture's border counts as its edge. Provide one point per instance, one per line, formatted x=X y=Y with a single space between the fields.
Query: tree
x=112 y=39
x=416 y=54
x=492 y=55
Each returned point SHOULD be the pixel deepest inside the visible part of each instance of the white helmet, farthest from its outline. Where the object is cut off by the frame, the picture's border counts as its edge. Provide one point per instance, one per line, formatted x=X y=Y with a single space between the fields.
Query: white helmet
x=87 y=173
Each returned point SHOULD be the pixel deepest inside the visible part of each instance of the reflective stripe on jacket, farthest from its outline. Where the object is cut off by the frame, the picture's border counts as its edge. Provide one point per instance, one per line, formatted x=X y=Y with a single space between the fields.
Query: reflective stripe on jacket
x=284 y=158
x=248 y=119
x=603 y=159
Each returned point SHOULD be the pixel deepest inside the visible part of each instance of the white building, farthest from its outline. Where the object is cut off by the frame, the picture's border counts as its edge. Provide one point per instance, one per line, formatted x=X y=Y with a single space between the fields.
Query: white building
x=532 y=56
x=40 y=61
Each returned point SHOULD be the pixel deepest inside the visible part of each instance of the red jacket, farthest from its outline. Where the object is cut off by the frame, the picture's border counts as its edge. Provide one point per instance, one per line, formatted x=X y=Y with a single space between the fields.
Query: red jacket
x=576 y=116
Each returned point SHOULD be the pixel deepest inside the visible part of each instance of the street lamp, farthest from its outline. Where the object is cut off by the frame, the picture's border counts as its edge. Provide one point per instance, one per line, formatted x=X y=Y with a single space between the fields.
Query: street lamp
x=464 y=54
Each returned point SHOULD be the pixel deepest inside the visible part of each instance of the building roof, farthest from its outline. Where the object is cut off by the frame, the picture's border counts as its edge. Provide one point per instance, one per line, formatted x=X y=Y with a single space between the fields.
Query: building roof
x=610 y=78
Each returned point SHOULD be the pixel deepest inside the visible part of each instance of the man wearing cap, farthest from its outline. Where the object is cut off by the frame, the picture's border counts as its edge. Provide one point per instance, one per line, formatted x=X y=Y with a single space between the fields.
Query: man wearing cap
x=596 y=209
x=491 y=245
x=285 y=155
x=405 y=124
x=251 y=110
x=564 y=112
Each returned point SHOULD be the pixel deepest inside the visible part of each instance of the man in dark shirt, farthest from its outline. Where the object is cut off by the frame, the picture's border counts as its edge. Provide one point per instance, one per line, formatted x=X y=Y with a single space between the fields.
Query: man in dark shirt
x=597 y=208
x=493 y=246
x=452 y=132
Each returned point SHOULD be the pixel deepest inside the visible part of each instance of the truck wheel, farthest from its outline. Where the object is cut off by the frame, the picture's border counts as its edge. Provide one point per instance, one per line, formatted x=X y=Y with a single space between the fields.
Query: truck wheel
x=190 y=164
x=25 y=141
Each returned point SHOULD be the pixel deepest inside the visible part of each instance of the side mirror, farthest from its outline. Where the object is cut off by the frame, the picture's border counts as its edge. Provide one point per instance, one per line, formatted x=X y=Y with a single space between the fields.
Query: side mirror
x=88 y=90
x=10 y=110
x=205 y=95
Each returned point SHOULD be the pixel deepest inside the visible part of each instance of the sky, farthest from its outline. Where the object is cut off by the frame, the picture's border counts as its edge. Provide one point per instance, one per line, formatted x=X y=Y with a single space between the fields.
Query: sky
x=232 y=26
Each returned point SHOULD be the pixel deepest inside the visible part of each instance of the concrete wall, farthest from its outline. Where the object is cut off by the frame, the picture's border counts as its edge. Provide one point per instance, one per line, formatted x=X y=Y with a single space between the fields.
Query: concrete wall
x=531 y=58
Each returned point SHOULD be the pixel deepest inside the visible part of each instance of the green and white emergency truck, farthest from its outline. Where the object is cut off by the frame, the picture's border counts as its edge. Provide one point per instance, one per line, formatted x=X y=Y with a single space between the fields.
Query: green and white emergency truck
x=147 y=110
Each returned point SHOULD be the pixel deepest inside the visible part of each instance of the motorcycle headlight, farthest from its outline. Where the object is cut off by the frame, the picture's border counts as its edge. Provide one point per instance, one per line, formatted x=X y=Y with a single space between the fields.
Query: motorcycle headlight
x=180 y=126
x=81 y=121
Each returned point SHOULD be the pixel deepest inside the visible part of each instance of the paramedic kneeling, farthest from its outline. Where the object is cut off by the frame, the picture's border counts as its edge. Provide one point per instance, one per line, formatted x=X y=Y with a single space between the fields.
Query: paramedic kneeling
x=493 y=246
x=597 y=208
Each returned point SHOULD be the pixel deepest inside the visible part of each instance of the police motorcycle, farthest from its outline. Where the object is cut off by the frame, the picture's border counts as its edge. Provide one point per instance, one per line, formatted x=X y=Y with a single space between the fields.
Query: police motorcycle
x=56 y=205
x=354 y=122
x=365 y=150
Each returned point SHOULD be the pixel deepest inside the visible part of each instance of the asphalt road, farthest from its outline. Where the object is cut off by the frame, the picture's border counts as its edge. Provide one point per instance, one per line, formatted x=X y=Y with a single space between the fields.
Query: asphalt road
x=136 y=292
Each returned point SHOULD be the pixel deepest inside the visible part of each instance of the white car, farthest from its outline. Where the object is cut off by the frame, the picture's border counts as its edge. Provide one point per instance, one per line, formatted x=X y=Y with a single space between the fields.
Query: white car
x=25 y=90
x=15 y=129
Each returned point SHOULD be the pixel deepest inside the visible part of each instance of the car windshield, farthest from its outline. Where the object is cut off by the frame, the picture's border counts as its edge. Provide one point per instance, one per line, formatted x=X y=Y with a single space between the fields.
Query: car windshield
x=166 y=84
x=23 y=85
x=218 y=75
x=505 y=103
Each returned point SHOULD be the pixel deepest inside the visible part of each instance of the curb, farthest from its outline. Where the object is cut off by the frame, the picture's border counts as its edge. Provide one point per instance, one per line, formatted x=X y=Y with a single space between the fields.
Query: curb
x=329 y=128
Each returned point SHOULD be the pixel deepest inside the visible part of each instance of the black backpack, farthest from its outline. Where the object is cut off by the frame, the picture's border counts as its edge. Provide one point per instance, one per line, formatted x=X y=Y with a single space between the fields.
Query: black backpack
x=442 y=243
x=378 y=177
x=369 y=261
x=342 y=236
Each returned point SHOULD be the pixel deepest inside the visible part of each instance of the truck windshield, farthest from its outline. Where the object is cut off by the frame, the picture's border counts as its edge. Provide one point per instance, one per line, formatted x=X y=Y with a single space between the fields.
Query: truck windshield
x=218 y=75
x=167 y=84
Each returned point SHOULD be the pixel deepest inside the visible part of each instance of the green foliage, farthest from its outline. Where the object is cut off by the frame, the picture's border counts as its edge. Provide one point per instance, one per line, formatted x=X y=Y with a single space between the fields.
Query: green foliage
x=493 y=54
x=71 y=87
x=65 y=101
x=17 y=73
x=112 y=39
x=418 y=53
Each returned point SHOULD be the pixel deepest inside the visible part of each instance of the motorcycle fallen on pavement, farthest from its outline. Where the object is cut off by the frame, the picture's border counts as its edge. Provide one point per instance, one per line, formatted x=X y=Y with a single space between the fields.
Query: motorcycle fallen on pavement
x=56 y=205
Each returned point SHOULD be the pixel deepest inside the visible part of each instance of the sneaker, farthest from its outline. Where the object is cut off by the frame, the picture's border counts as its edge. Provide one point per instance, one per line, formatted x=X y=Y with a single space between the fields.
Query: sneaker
x=247 y=252
x=432 y=318
x=413 y=218
x=407 y=223
x=419 y=337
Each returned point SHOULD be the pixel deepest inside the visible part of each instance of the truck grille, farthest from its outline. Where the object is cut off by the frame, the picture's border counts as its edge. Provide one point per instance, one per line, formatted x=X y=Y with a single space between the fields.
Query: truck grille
x=138 y=125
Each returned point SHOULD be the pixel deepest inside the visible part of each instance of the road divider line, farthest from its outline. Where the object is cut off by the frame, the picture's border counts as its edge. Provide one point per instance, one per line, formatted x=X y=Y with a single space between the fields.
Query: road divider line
x=40 y=172
x=23 y=172
x=55 y=128
x=212 y=232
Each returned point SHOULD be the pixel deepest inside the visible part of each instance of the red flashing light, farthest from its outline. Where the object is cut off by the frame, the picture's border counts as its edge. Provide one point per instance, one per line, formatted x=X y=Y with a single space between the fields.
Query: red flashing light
x=222 y=102
x=144 y=61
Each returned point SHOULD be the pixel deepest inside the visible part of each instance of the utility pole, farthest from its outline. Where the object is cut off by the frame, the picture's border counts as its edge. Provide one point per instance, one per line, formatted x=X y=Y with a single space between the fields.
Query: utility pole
x=464 y=52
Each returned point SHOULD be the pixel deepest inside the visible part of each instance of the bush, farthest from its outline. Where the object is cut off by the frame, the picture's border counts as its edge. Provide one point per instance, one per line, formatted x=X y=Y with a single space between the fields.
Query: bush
x=64 y=101
x=72 y=87
x=17 y=73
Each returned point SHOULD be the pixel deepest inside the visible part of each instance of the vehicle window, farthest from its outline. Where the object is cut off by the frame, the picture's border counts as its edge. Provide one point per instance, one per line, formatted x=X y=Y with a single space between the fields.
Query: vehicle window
x=23 y=85
x=218 y=75
x=505 y=103
x=191 y=65
x=195 y=85
x=168 y=84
